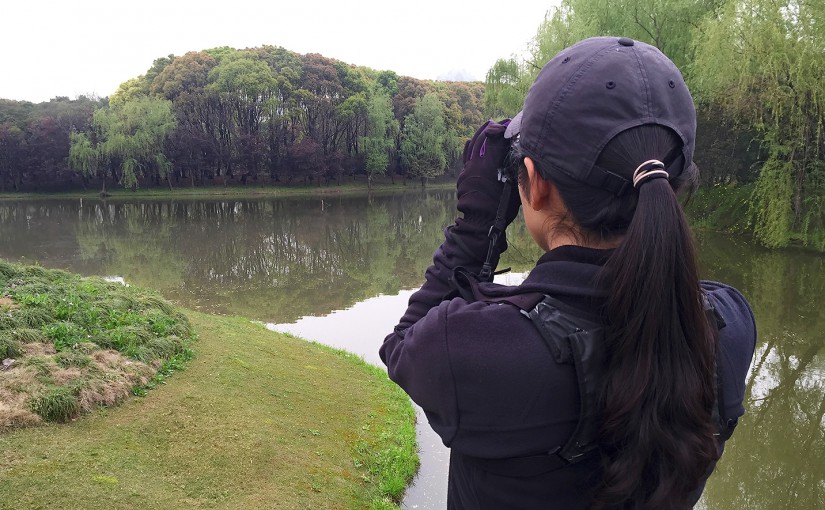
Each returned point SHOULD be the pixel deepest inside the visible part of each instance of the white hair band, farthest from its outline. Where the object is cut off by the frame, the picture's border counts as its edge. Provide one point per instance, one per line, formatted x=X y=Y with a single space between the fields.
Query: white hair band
x=648 y=169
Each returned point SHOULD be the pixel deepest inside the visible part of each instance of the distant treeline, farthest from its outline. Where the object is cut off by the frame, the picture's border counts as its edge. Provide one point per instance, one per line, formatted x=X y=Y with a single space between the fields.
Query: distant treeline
x=265 y=115
x=757 y=72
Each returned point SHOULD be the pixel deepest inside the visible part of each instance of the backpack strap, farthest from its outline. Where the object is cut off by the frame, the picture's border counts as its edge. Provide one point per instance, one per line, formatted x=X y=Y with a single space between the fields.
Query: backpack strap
x=574 y=337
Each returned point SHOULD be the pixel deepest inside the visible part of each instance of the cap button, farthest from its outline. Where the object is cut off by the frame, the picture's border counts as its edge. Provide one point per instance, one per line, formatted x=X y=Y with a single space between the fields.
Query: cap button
x=624 y=41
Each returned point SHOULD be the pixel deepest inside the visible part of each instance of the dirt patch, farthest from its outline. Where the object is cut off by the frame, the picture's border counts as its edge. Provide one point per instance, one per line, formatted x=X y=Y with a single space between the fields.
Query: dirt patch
x=8 y=302
x=66 y=376
x=13 y=410
x=38 y=349
x=106 y=394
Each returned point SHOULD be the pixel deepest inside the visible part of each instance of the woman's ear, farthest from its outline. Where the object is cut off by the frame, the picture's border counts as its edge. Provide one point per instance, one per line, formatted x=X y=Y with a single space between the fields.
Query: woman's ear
x=539 y=188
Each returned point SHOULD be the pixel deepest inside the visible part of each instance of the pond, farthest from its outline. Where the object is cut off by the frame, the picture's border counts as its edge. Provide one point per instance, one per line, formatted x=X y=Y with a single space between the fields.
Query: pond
x=339 y=270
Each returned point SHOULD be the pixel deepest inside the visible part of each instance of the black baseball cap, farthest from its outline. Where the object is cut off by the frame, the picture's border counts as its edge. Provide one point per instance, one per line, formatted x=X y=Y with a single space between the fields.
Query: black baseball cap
x=592 y=91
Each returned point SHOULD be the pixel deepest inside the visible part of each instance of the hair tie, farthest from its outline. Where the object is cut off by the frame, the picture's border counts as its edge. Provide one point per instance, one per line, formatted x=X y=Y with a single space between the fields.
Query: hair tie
x=650 y=169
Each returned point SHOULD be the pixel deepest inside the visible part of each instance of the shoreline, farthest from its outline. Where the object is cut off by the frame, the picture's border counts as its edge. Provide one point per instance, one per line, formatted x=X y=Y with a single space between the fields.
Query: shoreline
x=231 y=191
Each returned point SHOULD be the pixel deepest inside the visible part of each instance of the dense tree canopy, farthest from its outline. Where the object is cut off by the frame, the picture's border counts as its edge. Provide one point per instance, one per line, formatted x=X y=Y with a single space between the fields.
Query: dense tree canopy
x=223 y=116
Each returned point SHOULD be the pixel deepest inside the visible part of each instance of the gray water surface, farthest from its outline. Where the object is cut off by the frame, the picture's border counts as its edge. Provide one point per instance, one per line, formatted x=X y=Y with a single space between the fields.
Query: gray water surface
x=342 y=269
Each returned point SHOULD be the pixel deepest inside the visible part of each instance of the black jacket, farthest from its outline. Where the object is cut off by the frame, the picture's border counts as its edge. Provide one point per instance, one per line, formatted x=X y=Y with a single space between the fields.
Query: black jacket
x=490 y=387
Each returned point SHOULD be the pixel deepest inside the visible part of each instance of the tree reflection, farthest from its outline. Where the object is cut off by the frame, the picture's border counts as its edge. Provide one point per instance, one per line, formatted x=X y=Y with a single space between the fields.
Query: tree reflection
x=774 y=459
x=269 y=259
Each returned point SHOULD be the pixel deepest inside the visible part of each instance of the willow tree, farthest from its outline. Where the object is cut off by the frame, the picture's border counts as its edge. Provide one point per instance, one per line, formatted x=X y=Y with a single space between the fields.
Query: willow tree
x=763 y=61
x=667 y=24
x=508 y=81
x=382 y=128
x=85 y=157
x=424 y=139
x=128 y=142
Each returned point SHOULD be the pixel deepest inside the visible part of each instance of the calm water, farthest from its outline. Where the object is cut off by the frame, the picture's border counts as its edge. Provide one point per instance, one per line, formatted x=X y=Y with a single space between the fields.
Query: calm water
x=340 y=269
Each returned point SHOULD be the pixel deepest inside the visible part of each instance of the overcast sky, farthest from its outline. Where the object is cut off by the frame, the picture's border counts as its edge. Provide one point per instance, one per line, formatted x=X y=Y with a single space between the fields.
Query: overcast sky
x=73 y=47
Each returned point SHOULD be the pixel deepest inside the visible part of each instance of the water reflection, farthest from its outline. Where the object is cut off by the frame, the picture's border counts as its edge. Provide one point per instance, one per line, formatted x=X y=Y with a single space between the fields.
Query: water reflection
x=278 y=260
x=272 y=259
x=775 y=459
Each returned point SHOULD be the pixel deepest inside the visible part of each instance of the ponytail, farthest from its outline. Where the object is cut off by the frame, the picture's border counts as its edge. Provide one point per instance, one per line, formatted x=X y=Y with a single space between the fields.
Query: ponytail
x=657 y=434
x=657 y=430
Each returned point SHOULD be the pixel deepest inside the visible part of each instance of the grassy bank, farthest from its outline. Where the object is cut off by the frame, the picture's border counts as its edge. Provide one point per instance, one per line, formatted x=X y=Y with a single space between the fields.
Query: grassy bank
x=257 y=420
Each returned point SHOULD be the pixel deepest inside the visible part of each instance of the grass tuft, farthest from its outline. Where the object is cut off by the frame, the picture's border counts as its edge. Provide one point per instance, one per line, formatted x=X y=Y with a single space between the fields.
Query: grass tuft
x=9 y=347
x=28 y=335
x=58 y=403
x=8 y=271
x=67 y=359
x=32 y=317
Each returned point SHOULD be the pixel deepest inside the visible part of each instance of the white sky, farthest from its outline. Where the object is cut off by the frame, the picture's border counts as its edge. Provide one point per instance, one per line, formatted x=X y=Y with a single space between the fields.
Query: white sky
x=73 y=47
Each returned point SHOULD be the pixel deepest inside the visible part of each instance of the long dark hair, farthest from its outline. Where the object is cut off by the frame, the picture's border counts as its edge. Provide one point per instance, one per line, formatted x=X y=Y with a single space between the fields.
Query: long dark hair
x=657 y=434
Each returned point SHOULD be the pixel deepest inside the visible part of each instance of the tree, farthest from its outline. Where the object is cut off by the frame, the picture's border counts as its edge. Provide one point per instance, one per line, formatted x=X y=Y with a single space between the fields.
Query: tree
x=423 y=142
x=778 y=86
x=129 y=142
x=245 y=86
x=380 y=140
x=11 y=156
x=86 y=158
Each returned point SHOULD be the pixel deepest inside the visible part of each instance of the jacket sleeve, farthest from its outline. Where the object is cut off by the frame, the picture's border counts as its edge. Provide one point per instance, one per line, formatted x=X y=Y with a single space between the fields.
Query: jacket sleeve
x=416 y=352
x=737 y=341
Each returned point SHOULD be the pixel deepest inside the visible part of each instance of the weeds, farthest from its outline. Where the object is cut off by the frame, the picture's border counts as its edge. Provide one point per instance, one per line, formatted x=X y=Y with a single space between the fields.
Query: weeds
x=70 y=326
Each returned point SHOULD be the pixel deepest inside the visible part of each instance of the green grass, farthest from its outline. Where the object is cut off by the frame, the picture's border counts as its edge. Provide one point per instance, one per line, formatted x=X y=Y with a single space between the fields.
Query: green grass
x=257 y=420
x=78 y=343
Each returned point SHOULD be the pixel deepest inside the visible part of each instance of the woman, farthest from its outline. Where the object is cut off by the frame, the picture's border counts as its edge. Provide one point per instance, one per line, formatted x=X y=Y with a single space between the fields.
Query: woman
x=612 y=377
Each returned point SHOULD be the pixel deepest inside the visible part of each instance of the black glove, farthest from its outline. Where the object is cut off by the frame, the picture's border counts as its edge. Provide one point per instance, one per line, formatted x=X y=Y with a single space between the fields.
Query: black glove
x=479 y=186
